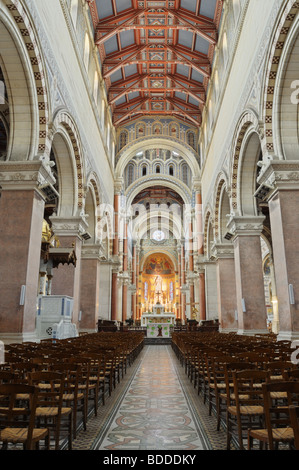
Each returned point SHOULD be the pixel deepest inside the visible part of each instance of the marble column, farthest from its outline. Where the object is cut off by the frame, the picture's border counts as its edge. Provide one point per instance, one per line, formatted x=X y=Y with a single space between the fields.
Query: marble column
x=125 y=269
x=226 y=286
x=21 y=220
x=281 y=181
x=200 y=251
x=183 y=283
x=133 y=301
x=67 y=278
x=114 y=293
x=250 y=293
x=90 y=287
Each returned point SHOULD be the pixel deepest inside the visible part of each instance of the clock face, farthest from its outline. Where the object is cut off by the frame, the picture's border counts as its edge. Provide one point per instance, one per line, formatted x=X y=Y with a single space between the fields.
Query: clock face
x=158 y=236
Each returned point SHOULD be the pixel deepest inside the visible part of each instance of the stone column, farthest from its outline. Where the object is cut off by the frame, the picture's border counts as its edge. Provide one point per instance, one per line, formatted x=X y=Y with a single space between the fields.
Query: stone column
x=200 y=251
x=21 y=220
x=115 y=288
x=133 y=302
x=183 y=283
x=67 y=278
x=90 y=287
x=226 y=286
x=280 y=185
x=125 y=269
x=250 y=293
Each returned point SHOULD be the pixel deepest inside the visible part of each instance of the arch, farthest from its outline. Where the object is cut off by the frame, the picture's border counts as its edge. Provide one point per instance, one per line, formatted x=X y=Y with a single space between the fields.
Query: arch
x=285 y=23
x=208 y=220
x=247 y=175
x=154 y=180
x=248 y=120
x=162 y=143
x=221 y=187
x=64 y=121
x=94 y=184
x=159 y=249
x=27 y=68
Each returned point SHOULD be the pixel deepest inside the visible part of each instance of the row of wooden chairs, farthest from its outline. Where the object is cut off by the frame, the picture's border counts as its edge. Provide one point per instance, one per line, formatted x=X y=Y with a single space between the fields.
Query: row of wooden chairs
x=58 y=384
x=250 y=383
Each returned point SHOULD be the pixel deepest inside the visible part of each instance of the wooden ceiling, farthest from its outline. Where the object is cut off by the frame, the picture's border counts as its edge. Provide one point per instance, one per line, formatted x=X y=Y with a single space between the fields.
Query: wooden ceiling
x=156 y=55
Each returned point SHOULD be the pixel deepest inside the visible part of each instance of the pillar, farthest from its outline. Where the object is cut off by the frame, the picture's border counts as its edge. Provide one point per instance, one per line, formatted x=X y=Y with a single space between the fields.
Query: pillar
x=90 y=287
x=67 y=278
x=114 y=292
x=21 y=221
x=250 y=293
x=125 y=269
x=226 y=287
x=283 y=200
x=200 y=251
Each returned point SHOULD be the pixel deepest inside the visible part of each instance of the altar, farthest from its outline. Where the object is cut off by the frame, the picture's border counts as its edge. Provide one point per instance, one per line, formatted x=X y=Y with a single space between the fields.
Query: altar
x=158 y=322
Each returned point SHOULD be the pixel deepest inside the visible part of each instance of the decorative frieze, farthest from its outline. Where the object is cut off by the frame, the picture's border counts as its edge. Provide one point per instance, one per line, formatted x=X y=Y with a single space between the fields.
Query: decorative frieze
x=278 y=175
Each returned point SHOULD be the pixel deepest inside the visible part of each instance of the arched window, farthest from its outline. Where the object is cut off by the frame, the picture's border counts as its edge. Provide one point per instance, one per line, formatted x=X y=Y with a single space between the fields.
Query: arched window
x=144 y=170
x=74 y=11
x=86 y=51
x=130 y=174
x=123 y=139
x=96 y=86
x=158 y=169
x=185 y=174
x=171 y=171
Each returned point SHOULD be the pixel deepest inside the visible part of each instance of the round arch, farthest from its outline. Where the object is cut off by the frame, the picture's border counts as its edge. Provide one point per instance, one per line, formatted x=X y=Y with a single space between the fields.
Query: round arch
x=248 y=123
x=162 y=251
x=149 y=181
x=64 y=123
x=32 y=60
x=273 y=75
x=162 y=143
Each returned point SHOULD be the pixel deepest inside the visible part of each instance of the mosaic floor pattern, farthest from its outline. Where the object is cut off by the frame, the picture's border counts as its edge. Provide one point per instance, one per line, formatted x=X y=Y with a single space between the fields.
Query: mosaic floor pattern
x=154 y=408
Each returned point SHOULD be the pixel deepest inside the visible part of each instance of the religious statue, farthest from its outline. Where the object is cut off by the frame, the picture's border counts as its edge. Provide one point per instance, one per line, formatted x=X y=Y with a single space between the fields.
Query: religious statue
x=158 y=289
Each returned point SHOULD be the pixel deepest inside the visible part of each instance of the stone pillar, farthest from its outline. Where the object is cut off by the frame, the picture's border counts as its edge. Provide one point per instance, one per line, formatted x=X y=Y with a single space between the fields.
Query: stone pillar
x=250 y=293
x=90 y=287
x=281 y=180
x=67 y=278
x=183 y=283
x=21 y=221
x=226 y=286
x=133 y=302
x=200 y=251
x=114 y=294
x=125 y=269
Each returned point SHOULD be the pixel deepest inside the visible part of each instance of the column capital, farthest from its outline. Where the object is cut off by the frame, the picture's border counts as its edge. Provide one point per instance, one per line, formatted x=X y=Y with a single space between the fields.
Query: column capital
x=69 y=227
x=278 y=175
x=28 y=175
x=245 y=225
x=223 y=251
x=118 y=186
x=90 y=251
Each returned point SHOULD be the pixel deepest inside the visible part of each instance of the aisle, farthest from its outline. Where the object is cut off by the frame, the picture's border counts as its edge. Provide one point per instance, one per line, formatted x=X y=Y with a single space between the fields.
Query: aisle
x=155 y=408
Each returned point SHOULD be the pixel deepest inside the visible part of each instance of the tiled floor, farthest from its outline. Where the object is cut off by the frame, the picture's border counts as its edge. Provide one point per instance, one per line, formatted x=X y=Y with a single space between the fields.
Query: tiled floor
x=154 y=408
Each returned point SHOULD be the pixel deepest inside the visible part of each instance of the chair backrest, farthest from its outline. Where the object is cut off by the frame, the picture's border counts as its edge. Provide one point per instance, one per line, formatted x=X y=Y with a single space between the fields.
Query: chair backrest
x=50 y=387
x=294 y=418
x=277 y=411
x=248 y=387
x=12 y=415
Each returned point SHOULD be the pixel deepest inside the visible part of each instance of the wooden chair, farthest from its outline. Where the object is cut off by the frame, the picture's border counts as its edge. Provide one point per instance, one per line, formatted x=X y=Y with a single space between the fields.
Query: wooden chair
x=277 y=427
x=73 y=397
x=247 y=409
x=17 y=420
x=50 y=410
x=294 y=418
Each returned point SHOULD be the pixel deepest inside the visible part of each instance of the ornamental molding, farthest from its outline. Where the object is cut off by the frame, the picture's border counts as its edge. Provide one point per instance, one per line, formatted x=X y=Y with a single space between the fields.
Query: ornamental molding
x=246 y=225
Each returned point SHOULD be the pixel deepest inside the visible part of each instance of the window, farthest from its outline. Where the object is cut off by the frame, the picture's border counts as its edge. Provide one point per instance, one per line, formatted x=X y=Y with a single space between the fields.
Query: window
x=74 y=11
x=171 y=170
x=86 y=51
x=158 y=169
x=96 y=86
x=144 y=170
x=130 y=174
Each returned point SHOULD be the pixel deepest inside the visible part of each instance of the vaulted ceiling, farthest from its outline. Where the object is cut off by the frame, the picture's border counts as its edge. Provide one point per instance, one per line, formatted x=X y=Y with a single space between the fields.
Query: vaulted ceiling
x=156 y=55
